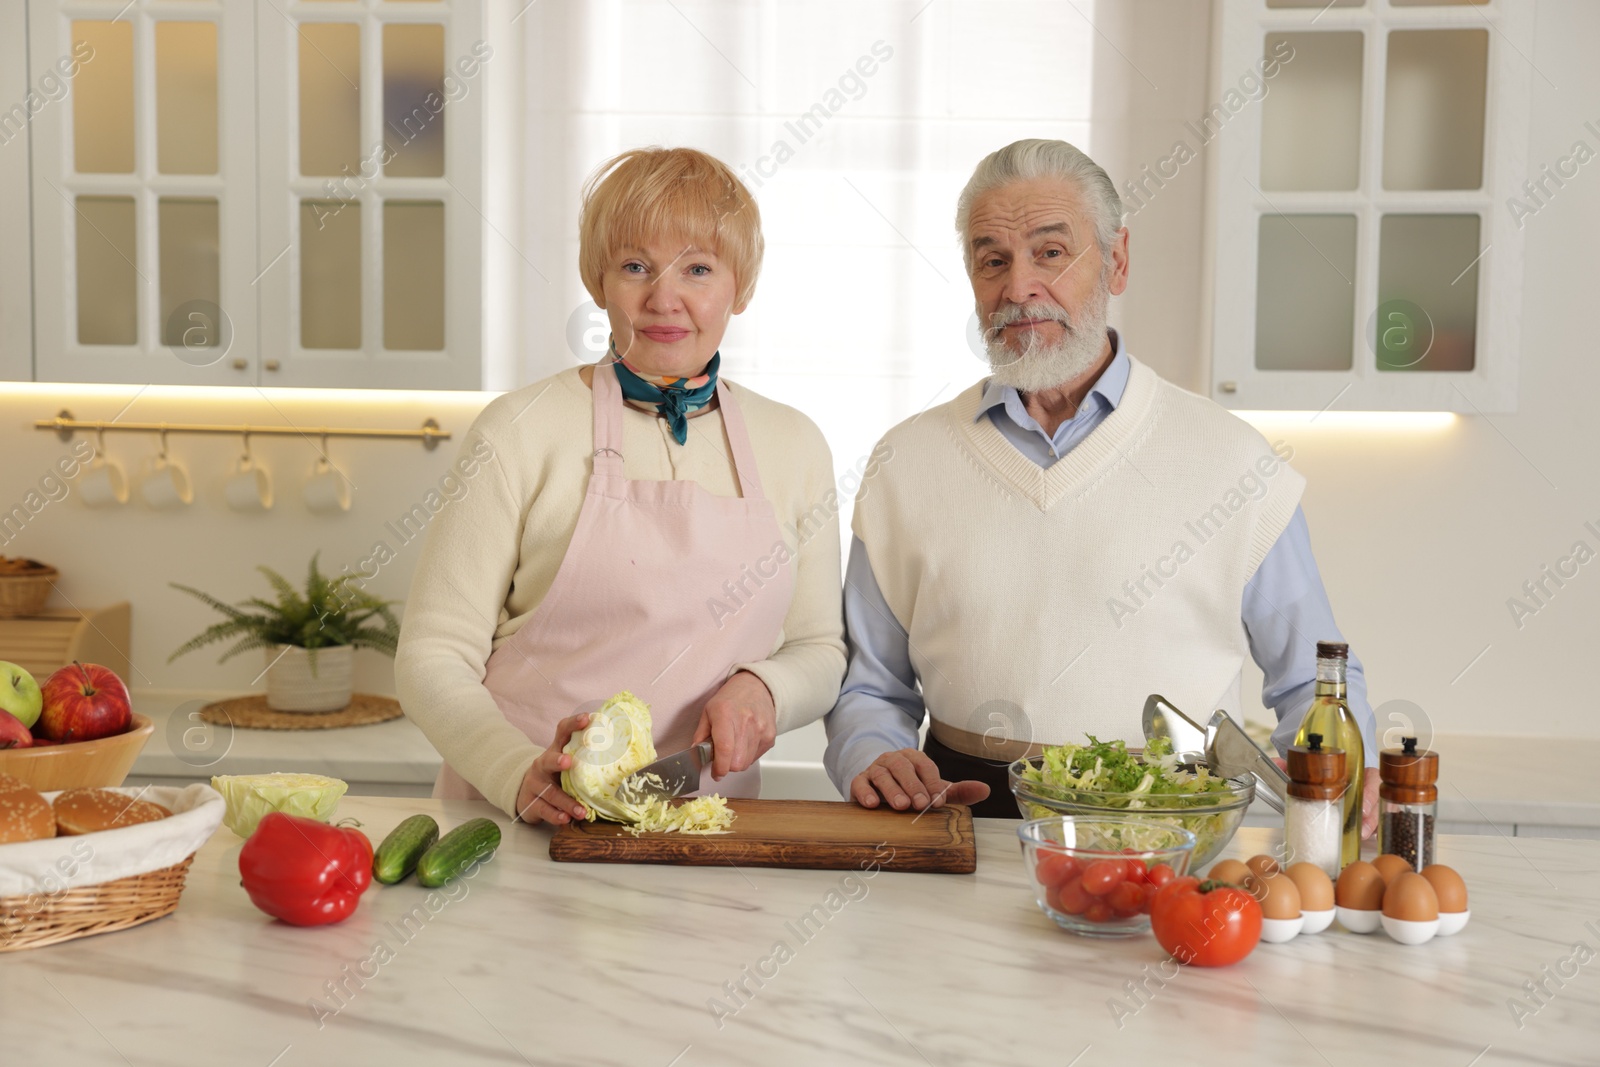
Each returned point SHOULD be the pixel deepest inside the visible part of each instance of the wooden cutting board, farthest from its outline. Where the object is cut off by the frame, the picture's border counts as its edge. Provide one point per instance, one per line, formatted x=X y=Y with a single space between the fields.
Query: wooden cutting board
x=816 y=835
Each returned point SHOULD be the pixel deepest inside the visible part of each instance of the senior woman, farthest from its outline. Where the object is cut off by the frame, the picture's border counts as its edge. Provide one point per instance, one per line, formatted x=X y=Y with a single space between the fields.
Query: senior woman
x=636 y=525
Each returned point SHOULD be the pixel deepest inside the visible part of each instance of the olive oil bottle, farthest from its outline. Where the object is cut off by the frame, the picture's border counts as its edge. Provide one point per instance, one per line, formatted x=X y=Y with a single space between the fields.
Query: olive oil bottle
x=1330 y=716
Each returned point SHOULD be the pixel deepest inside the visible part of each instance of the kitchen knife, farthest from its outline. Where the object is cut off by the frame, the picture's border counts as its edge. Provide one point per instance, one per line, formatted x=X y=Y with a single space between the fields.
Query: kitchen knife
x=670 y=776
x=1230 y=752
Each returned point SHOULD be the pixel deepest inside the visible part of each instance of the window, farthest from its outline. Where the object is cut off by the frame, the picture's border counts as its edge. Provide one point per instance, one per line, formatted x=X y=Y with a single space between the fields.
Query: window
x=1365 y=254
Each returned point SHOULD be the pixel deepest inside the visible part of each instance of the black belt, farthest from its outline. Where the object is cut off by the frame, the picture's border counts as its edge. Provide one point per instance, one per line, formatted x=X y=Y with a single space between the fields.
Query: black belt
x=958 y=767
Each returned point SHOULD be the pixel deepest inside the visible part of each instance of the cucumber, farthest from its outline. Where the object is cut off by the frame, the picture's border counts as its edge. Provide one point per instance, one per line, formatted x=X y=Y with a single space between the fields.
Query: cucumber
x=398 y=855
x=457 y=850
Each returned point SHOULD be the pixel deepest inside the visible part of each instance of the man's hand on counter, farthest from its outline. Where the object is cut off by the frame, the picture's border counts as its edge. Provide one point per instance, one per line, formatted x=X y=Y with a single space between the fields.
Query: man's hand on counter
x=908 y=778
x=541 y=798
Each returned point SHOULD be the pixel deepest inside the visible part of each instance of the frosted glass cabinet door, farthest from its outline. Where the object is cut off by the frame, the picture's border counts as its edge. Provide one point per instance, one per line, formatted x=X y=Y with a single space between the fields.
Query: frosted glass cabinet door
x=1311 y=118
x=414 y=111
x=1427 y=293
x=186 y=97
x=1434 y=97
x=330 y=98
x=107 y=280
x=102 y=98
x=1305 y=296
x=413 y=275
x=330 y=274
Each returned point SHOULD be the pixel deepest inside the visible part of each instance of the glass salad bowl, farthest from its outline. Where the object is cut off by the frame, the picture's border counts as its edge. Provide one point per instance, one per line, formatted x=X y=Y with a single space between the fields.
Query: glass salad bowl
x=1210 y=817
x=1088 y=875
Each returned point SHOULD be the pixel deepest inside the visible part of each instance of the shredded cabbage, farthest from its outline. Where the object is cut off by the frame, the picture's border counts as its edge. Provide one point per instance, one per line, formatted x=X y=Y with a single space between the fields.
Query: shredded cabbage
x=615 y=744
x=250 y=797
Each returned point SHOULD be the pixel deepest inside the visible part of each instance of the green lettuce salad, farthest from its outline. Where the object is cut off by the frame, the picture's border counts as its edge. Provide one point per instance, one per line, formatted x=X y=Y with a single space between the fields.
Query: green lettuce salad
x=1105 y=775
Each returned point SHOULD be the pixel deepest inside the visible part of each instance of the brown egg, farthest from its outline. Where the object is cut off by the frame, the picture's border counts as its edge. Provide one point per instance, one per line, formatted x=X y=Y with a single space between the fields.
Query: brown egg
x=1280 y=897
x=1391 y=867
x=1360 y=887
x=1411 y=899
x=1263 y=865
x=1316 y=888
x=1231 y=871
x=1448 y=887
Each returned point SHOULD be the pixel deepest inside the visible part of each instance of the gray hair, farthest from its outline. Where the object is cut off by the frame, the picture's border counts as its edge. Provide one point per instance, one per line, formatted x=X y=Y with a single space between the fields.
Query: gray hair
x=1038 y=158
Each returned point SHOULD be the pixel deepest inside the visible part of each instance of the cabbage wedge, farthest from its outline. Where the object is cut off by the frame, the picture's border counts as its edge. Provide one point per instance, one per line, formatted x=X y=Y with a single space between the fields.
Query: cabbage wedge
x=615 y=744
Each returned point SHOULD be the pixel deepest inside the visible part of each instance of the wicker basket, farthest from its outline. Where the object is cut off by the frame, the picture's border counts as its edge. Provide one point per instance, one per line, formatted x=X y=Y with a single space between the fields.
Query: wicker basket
x=40 y=919
x=26 y=594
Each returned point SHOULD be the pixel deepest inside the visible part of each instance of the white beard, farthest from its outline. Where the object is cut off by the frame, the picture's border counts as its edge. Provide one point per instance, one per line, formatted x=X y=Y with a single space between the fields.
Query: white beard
x=1038 y=366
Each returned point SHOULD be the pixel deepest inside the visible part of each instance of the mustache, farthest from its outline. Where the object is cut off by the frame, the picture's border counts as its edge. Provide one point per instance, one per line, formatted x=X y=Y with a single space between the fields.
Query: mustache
x=1007 y=316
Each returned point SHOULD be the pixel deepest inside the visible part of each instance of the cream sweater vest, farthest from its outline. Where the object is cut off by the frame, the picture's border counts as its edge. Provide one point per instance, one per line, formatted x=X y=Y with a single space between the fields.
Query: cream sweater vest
x=1045 y=604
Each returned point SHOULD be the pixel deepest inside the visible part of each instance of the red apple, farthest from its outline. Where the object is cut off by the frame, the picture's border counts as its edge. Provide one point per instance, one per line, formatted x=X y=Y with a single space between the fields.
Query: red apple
x=83 y=702
x=12 y=733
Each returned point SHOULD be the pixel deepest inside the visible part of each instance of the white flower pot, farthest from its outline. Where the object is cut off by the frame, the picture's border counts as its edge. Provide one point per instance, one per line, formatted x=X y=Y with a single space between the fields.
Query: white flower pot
x=292 y=687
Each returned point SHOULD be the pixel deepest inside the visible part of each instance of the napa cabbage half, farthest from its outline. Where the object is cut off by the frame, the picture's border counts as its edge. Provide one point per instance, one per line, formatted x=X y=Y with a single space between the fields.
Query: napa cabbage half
x=615 y=744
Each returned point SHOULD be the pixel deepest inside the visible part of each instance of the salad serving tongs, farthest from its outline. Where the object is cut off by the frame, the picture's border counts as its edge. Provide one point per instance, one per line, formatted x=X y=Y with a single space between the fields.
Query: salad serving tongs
x=1226 y=748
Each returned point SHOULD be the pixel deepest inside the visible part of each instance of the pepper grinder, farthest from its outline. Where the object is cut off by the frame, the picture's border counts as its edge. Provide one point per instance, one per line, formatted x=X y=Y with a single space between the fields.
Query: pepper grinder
x=1313 y=824
x=1409 y=802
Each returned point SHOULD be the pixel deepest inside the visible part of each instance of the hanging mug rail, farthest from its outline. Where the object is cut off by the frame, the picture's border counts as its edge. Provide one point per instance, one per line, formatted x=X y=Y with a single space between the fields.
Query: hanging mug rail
x=64 y=425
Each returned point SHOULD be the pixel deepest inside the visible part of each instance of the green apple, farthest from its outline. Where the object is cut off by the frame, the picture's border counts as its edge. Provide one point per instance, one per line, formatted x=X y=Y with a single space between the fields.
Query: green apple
x=19 y=694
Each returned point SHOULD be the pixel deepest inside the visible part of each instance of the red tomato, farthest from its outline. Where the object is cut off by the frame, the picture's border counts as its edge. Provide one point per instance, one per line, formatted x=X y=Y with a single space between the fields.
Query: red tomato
x=1161 y=874
x=1099 y=912
x=1102 y=876
x=1150 y=891
x=1136 y=868
x=1126 y=898
x=1054 y=868
x=1206 y=929
x=1069 y=898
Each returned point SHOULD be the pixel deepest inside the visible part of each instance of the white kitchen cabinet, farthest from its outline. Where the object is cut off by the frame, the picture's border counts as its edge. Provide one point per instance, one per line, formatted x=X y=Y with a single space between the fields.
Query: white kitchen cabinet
x=1364 y=160
x=16 y=299
x=259 y=192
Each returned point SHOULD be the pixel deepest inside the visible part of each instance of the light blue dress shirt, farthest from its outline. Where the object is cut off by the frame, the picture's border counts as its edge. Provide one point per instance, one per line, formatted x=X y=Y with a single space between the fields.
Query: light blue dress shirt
x=1284 y=609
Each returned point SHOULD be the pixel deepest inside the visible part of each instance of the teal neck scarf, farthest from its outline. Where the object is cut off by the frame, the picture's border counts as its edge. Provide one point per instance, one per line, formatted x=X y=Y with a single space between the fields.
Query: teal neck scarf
x=673 y=397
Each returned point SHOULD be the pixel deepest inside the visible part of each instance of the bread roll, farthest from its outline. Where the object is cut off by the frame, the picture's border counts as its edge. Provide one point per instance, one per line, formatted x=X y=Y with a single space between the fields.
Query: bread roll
x=24 y=815
x=86 y=811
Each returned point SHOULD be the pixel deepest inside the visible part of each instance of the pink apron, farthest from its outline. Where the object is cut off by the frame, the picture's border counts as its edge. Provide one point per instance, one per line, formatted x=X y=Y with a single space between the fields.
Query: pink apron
x=664 y=588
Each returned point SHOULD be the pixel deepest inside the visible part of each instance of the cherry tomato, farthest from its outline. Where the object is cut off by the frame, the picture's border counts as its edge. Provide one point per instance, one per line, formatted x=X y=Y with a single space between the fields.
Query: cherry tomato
x=1102 y=876
x=1161 y=874
x=1099 y=912
x=1135 y=867
x=1069 y=897
x=1205 y=928
x=1150 y=891
x=1054 y=868
x=1126 y=899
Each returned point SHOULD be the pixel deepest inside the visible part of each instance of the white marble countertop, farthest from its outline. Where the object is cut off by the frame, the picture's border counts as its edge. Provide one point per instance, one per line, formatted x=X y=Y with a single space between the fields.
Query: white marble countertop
x=536 y=962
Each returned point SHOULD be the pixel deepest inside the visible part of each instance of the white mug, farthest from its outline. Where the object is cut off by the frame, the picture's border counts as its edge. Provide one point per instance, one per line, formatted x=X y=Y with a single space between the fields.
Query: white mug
x=249 y=489
x=167 y=485
x=104 y=485
x=327 y=491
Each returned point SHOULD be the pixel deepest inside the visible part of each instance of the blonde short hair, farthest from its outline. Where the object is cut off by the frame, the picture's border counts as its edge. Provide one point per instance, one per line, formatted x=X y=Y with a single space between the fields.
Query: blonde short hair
x=648 y=193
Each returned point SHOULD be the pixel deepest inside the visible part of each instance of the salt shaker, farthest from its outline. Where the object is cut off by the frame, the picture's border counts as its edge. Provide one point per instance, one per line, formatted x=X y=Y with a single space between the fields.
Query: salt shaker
x=1313 y=812
x=1408 y=802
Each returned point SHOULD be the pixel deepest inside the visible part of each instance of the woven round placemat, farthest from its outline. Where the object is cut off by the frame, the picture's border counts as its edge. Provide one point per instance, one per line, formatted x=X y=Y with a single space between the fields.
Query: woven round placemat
x=251 y=713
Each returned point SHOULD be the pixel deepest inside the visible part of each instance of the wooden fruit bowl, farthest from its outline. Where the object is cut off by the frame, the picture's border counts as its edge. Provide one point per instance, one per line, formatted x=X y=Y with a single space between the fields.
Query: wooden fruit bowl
x=103 y=762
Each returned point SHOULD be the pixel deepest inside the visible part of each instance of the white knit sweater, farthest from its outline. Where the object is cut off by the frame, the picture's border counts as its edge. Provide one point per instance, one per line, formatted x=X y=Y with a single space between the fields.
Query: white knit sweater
x=1062 y=597
x=490 y=556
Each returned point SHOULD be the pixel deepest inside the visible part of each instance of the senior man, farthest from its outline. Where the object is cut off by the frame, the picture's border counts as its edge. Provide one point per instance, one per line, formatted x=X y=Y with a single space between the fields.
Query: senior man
x=1067 y=536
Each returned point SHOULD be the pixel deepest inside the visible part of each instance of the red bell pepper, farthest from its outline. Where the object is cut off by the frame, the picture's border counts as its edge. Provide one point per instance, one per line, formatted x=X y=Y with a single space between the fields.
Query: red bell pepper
x=303 y=871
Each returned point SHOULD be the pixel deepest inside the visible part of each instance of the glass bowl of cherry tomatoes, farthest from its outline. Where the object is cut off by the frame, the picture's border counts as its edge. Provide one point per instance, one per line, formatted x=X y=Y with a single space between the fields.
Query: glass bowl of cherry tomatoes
x=1097 y=876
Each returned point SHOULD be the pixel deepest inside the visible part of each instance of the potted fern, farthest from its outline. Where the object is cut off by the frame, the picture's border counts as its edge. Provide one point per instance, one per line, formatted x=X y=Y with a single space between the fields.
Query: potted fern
x=310 y=638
